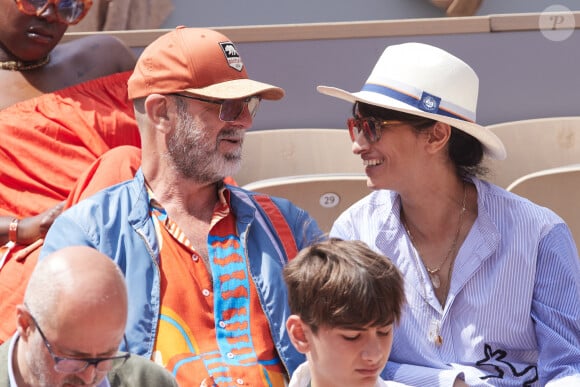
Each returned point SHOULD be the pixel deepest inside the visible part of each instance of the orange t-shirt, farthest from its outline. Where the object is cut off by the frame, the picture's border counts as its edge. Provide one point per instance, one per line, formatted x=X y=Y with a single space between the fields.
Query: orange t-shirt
x=212 y=330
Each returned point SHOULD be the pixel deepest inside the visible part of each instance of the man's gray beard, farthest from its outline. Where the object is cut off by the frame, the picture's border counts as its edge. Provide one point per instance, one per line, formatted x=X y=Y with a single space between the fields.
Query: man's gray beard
x=190 y=153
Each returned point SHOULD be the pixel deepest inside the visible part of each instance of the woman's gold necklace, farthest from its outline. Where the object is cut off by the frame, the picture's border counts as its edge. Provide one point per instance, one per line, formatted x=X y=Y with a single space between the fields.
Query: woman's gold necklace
x=434 y=333
x=434 y=273
x=18 y=65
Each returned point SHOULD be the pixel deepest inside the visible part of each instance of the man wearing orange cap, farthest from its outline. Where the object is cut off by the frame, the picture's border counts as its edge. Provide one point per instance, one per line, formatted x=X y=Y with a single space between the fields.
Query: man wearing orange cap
x=202 y=259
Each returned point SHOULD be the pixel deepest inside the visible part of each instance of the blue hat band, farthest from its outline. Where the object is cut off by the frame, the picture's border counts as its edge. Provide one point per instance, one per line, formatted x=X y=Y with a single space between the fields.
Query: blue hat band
x=428 y=103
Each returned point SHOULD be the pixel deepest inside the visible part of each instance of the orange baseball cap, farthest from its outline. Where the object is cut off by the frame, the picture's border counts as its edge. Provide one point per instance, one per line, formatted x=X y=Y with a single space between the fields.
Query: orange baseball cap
x=196 y=61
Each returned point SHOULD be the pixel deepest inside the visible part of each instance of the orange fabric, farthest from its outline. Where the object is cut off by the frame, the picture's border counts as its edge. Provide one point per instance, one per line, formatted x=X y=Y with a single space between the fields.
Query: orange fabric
x=117 y=165
x=279 y=221
x=230 y=180
x=52 y=146
x=49 y=141
x=187 y=339
x=14 y=276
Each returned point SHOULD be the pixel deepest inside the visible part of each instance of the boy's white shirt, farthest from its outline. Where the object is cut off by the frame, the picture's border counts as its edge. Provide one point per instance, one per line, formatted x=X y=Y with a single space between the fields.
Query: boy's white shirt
x=301 y=378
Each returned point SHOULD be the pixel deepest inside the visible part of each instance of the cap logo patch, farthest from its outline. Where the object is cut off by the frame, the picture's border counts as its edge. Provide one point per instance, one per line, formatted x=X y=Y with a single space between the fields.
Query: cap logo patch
x=232 y=56
x=429 y=103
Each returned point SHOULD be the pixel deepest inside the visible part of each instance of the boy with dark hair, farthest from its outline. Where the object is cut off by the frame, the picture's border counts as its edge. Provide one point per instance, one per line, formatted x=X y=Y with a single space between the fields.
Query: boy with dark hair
x=345 y=299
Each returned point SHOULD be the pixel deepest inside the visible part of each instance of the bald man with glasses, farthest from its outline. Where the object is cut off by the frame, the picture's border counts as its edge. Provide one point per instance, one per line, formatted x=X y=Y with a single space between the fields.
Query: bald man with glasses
x=79 y=297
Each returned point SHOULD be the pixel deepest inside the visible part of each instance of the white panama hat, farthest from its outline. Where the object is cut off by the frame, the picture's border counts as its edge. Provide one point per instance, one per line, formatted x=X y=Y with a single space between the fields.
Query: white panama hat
x=429 y=82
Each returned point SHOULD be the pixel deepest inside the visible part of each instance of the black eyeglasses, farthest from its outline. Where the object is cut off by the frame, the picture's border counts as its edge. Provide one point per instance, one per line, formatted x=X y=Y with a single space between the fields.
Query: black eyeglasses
x=71 y=365
x=67 y=11
x=230 y=109
x=370 y=127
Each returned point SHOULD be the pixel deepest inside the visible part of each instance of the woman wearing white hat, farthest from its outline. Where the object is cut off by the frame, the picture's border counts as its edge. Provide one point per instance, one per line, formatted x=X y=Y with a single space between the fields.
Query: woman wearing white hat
x=492 y=280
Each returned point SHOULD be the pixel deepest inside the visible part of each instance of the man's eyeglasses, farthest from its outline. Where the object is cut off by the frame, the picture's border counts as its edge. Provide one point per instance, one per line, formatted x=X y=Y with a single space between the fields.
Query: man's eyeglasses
x=230 y=109
x=370 y=127
x=67 y=11
x=72 y=365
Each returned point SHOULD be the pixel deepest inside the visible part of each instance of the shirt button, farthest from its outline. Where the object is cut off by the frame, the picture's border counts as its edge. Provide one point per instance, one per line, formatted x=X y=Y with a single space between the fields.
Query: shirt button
x=205 y=292
x=222 y=324
x=240 y=381
x=230 y=355
x=195 y=258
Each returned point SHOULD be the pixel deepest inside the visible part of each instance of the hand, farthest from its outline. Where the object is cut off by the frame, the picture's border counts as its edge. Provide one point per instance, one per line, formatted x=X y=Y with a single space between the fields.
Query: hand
x=35 y=227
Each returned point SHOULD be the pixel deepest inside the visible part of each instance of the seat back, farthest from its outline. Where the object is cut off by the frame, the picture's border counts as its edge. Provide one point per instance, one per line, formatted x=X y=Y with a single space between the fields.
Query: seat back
x=324 y=196
x=534 y=145
x=290 y=152
x=557 y=189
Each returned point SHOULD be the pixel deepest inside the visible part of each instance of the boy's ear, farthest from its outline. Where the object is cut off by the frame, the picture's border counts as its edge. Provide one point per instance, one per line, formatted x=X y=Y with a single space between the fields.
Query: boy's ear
x=296 y=330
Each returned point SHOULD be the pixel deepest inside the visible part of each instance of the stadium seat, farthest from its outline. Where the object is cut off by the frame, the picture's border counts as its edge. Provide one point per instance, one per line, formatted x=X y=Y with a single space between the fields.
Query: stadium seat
x=290 y=152
x=324 y=196
x=557 y=189
x=534 y=145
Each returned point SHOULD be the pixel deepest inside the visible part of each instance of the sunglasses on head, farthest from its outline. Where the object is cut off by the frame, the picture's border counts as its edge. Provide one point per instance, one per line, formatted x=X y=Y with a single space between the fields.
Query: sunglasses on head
x=67 y=11
x=231 y=109
x=370 y=127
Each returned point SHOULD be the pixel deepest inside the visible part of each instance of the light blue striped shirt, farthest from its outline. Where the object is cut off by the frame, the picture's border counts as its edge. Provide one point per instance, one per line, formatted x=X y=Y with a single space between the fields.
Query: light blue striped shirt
x=513 y=311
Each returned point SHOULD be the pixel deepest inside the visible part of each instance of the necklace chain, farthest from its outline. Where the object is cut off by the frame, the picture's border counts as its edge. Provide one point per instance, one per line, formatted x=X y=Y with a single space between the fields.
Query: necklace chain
x=435 y=279
x=434 y=332
x=17 y=65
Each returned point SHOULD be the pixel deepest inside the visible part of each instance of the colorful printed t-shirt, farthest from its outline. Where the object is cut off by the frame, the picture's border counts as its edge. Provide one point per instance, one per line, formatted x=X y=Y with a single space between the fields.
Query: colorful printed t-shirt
x=211 y=330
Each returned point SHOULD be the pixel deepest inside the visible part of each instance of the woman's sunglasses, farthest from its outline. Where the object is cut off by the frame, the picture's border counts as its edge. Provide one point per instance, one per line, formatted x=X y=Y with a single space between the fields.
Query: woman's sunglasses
x=67 y=11
x=370 y=127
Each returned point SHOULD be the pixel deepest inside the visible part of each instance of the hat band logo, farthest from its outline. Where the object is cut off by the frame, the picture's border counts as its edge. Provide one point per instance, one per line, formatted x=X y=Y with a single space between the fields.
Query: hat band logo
x=232 y=55
x=429 y=103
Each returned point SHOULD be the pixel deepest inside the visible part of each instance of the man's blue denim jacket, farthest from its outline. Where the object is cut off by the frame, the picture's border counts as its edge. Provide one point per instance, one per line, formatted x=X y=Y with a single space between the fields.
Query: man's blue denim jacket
x=116 y=221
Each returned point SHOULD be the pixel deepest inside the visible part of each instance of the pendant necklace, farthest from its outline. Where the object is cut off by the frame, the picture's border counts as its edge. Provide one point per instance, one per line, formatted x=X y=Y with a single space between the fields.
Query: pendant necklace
x=434 y=332
x=18 y=65
x=434 y=273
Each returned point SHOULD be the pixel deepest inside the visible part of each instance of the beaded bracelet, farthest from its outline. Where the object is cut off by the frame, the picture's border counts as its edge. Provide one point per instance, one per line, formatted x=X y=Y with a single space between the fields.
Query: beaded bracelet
x=13 y=230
